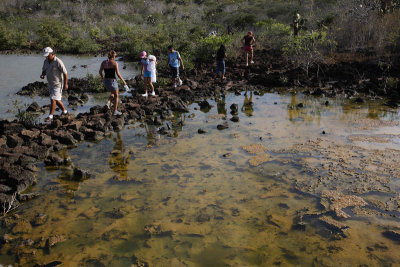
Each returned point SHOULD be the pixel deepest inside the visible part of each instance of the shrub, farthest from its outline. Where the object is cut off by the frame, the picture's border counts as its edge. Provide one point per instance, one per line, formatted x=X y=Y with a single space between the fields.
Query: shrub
x=27 y=118
x=83 y=46
x=308 y=50
x=53 y=33
x=207 y=47
x=95 y=83
x=274 y=34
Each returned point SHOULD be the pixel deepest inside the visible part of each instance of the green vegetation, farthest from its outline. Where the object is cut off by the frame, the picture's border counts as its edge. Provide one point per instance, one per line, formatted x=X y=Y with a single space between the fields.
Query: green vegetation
x=27 y=118
x=93 y=26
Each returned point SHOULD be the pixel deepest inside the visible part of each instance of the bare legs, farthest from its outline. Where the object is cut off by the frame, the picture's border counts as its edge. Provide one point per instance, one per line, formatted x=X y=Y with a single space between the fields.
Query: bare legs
x=114 y=98
x=53 y=106
x=247 y=57
x=147 y=82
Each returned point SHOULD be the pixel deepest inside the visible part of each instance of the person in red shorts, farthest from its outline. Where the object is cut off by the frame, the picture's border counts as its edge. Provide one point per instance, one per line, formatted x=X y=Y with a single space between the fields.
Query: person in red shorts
x=248 y=42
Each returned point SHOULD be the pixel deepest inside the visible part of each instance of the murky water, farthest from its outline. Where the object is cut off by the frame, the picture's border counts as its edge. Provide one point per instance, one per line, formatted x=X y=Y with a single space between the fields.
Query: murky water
x=194 y=200
x=19 y=70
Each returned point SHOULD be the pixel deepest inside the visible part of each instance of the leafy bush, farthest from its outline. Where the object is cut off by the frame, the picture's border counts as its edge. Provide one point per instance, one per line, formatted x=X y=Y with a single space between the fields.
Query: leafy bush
x=274 y=34
x=83 y=46
x=308 y=50
x=95 y=83
x=27 y=118
x=53 y=33
x=207 y=47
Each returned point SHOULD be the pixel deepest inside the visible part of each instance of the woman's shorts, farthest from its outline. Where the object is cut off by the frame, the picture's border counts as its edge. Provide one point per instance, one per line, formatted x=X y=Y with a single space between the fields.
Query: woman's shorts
x=248 y=48
x=174 y=72
x=147 y=74
x=56 y=93
x=221 y=66
x=110 y=84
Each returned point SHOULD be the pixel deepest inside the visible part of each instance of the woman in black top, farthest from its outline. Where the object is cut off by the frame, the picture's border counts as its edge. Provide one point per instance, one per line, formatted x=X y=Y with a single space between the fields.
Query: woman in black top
x=110 y=68
x=221 y=55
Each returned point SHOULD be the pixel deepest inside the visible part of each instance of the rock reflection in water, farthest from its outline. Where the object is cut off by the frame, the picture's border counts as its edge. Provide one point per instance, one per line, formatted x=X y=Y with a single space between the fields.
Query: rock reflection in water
x=118 y=157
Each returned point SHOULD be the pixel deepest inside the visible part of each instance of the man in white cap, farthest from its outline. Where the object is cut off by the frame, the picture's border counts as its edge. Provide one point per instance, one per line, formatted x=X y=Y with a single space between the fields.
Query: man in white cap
x=57 y=79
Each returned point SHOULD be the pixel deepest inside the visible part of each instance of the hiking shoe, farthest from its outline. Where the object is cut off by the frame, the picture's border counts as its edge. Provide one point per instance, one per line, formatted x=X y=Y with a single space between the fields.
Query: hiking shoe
x=174 y=85
x=153 y=93
x=48 y=119
x=252 y=62
x=64 y=112
x=117 y=113
x=180 y=82
x=145 y=95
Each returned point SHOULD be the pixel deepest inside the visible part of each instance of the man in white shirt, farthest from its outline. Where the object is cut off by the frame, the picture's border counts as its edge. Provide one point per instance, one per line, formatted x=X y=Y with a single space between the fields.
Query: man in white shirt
x=57 y=79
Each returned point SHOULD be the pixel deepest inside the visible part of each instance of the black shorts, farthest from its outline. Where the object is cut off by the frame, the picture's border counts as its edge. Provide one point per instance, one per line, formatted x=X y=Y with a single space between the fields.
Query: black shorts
x=174 y=72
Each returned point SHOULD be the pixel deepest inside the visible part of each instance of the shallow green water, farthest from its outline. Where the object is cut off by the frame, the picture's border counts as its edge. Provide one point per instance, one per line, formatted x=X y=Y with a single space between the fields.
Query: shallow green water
x=202 y=201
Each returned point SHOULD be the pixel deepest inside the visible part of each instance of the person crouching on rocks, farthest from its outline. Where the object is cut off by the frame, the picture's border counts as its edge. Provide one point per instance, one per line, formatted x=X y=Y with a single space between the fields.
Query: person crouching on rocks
x=248 y=42
x=221 y=55
x=110 y=68
x=146 y=73
x=57 y=79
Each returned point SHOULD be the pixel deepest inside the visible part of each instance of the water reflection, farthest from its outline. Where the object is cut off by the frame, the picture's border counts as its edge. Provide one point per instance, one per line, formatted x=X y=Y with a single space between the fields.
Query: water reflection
x=221 y=105
x=298 y=113
x=247 y=107
x=118 y=161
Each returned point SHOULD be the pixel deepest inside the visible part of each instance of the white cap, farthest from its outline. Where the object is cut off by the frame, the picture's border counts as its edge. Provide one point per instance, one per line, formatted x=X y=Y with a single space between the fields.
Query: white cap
x=47 y=51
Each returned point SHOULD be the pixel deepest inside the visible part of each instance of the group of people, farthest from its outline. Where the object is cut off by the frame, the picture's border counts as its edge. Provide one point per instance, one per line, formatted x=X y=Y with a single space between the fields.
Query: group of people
x=57 y=77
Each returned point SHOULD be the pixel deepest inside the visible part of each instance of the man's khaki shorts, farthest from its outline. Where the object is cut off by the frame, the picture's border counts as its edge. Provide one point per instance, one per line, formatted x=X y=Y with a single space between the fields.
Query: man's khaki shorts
x=56 y=93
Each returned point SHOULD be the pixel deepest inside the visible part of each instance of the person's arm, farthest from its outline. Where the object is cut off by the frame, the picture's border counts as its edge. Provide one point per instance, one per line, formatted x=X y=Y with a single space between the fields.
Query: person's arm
x=43 y=72
x=118 y=74
x=65 y=81
x=181 y=61
x=101 y=70
x=142 y=70
x=61 y=66
x=253 y=41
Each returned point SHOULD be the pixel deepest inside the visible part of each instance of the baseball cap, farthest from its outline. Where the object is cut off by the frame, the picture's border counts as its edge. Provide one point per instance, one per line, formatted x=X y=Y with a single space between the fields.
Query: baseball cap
x=47 y=51
x=143 y=54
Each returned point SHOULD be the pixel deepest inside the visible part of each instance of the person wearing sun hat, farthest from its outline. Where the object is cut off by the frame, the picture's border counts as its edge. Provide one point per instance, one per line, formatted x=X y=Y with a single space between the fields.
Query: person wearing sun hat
x=57 y=80
x=146 y=73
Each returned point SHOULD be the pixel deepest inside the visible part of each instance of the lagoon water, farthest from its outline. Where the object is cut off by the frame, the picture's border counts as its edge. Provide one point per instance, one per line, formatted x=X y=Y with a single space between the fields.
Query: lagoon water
x=193 y=199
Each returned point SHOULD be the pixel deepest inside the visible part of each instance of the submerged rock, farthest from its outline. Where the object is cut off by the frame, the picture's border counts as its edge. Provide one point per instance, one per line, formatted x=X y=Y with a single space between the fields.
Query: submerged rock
x=339 y=201
x=201 y=131
x=222 y=126
x=392 y=235
x=335 y=226
x=53 y=240
x=259 y=159
x=254 y=148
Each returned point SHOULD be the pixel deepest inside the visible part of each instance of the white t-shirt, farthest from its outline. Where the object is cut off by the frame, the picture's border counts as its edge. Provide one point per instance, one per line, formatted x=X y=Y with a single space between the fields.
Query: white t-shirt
x=152 y=67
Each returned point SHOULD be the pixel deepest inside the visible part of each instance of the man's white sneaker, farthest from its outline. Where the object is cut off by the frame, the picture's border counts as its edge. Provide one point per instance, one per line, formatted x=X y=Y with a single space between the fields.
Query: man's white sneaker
x=153 y=93
x=145 y=95
x=49 y=118
x=180 y=82
x=252 y=62
x=117 y=113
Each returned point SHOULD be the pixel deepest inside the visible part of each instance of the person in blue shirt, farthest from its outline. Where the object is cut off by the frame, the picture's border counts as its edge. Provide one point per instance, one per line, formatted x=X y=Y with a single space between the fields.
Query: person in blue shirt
x=174 y=62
